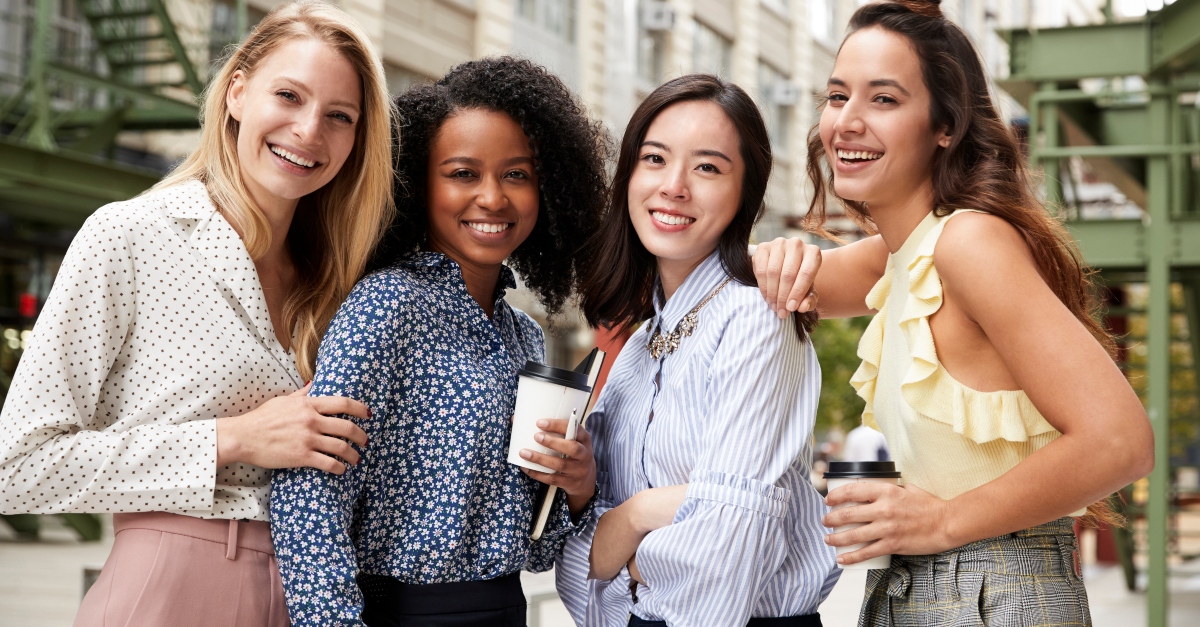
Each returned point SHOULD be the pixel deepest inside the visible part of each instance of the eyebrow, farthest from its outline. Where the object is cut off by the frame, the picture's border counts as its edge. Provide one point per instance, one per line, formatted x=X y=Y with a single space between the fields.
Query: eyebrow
x=337 y=103
x=706 y=152
x=471 y=161
x=879 y=82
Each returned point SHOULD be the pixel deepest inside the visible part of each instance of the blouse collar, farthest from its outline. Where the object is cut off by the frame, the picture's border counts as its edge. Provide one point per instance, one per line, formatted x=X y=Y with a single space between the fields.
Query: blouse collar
x=449 y=268
x=701 y=282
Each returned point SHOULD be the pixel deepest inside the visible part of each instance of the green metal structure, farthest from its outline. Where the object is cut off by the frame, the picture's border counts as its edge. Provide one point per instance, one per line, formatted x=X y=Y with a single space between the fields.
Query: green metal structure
x=61 y=110
x=1143 y=135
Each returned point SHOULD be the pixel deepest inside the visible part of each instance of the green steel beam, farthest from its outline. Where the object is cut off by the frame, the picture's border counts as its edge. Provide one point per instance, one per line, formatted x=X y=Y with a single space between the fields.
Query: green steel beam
x=1145 y=150
x=1158 y=360
x=39 y=127
x=1175 y=36
x=77 y=175
x=1066 y=54
x=1166 y=42
x=173 y=41
x=1111 y=244
x=183 y=109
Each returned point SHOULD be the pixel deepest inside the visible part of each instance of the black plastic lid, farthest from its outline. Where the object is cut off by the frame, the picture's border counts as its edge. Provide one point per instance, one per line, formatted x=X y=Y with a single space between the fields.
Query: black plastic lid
x=557 y=376
x=862 y=470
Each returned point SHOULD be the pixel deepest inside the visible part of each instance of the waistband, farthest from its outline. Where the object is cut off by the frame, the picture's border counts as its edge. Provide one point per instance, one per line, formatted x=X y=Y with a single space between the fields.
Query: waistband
x=385 y=596
x=807 y=620
x=252 y=535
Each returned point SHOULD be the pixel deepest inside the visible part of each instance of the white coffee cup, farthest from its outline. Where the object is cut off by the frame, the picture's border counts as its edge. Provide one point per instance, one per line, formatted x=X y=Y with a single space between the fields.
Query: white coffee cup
x=543 y=392
x=845 y=473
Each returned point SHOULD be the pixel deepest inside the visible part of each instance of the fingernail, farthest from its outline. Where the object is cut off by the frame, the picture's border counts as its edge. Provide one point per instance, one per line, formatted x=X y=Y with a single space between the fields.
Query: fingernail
x=539 y=437
x=826 y=539
x=841 y=560
x=542 y=424
x=792 y=304
x=526 y=453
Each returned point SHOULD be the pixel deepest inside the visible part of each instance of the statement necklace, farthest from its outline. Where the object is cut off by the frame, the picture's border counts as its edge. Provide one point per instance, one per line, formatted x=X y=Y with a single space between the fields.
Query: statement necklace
x=669 y=343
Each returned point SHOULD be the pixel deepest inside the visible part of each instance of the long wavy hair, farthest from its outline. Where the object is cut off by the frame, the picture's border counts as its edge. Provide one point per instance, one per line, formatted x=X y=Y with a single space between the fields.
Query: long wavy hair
x=334 y=228
x=982 y=167
x=618 y=288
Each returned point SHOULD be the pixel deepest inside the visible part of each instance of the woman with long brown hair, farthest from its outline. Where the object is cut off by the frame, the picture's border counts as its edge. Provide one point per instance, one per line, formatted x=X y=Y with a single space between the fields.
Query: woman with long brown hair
x=161 y=382
x=984 y=366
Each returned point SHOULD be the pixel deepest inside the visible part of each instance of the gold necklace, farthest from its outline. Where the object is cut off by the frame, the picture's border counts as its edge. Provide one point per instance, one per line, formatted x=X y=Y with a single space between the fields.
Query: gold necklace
x=669 y=343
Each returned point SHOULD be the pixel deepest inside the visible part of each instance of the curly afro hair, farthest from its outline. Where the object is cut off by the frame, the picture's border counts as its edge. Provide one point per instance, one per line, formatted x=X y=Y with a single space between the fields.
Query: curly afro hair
x=569 y=156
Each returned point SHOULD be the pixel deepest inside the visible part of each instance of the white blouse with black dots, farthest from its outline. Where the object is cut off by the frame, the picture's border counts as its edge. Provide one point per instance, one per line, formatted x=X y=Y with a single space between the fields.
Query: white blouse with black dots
x=156 y=326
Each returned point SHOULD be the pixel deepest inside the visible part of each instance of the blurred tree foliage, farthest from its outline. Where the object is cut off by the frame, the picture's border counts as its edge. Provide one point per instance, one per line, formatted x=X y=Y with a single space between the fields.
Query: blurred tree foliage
x=836 y=342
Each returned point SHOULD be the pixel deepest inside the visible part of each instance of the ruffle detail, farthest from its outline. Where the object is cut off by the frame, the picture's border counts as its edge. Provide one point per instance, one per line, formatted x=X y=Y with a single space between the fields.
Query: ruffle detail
x=870 y=348
x=928 y=388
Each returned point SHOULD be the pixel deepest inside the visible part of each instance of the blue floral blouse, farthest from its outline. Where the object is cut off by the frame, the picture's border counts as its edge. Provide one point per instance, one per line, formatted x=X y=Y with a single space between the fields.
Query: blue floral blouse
x=433 y=499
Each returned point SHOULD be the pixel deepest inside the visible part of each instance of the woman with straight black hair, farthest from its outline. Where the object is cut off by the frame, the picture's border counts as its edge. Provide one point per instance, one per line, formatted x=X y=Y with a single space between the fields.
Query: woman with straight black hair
x=702 y=433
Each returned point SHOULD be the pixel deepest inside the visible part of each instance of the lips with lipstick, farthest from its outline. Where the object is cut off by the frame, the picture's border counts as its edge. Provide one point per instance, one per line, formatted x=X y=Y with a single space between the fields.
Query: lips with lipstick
x=857 y=156
x=291 y=157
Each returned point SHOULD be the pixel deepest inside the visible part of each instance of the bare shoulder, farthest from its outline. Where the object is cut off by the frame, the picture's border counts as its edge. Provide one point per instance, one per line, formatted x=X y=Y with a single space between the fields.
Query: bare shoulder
x=977 y=245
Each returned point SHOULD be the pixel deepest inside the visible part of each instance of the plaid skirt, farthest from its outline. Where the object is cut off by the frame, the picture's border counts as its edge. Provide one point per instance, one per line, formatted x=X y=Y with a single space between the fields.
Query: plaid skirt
x=1022 y=579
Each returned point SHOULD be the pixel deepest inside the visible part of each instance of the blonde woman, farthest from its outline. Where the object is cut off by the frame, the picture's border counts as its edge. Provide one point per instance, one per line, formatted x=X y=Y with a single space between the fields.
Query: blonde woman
x=161 y=382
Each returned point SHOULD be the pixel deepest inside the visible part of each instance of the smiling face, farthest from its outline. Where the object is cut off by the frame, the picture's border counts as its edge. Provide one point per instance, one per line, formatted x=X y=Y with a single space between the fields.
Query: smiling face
x=298 y=113
x=876 y=125
x=687 y=184
x=482 y=188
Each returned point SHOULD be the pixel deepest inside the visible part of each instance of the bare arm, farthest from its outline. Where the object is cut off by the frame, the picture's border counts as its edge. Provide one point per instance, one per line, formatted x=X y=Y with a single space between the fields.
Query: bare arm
x=987 y=269
x=619 y=531
x=787 y=269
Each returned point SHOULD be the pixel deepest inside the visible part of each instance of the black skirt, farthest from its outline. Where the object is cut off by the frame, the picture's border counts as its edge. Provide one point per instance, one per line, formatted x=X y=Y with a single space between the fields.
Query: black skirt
x=808 y=620
x=496 y=602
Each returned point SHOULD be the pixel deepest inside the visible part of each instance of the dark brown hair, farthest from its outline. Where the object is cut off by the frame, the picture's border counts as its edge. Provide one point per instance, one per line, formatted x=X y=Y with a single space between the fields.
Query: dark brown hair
x=982 y=167
x=618 y=287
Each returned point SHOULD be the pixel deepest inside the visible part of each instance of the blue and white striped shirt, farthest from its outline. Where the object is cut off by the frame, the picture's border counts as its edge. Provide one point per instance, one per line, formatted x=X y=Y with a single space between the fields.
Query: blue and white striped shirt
x=733 y=418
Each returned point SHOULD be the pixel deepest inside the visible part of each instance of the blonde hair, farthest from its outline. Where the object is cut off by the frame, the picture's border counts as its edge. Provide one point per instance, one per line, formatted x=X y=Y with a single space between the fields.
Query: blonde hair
x=336 y=227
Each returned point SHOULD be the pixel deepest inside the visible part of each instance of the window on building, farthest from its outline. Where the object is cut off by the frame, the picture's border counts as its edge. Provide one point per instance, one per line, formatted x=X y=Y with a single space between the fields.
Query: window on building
x=821 y=14
x=554 y=16
x=712 y=53
x=400 y=80
x=650 y=56
x=223 y=33
x=773 y=86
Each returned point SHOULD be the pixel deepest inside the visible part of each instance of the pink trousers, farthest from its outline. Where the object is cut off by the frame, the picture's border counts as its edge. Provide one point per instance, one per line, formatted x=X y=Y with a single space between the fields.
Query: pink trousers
x=179 y=571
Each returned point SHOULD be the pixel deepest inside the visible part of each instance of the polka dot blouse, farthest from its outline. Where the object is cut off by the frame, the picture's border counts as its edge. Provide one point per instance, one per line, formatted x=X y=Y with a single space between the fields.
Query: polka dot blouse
x=156 y=325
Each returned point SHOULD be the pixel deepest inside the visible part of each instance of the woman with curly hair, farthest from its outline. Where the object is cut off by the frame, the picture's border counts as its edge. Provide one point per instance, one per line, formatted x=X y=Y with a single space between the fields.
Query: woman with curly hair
x=498 y=162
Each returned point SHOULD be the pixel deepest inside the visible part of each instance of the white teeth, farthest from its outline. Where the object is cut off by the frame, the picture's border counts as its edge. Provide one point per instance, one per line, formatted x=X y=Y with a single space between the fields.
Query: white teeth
x=858 y=155
x=293 y=158
x=667 y=218
x=488 y=227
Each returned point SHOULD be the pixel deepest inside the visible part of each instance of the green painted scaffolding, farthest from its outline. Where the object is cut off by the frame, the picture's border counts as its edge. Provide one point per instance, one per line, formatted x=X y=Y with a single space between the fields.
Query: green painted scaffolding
x=1121 y=98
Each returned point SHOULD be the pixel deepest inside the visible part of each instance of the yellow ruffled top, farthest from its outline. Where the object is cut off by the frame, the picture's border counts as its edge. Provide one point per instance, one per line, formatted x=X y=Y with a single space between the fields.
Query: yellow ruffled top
x=945 y=437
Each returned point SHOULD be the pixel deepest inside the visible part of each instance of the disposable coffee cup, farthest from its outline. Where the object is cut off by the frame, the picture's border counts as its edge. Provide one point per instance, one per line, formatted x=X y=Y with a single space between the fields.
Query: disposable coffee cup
x=845 y=473
x=543 y=392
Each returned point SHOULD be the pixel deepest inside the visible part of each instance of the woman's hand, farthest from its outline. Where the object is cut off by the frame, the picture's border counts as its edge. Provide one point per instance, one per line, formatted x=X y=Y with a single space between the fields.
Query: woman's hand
x=786 y=270
x=574 y=467
x=294 y=431
x=900 y=520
